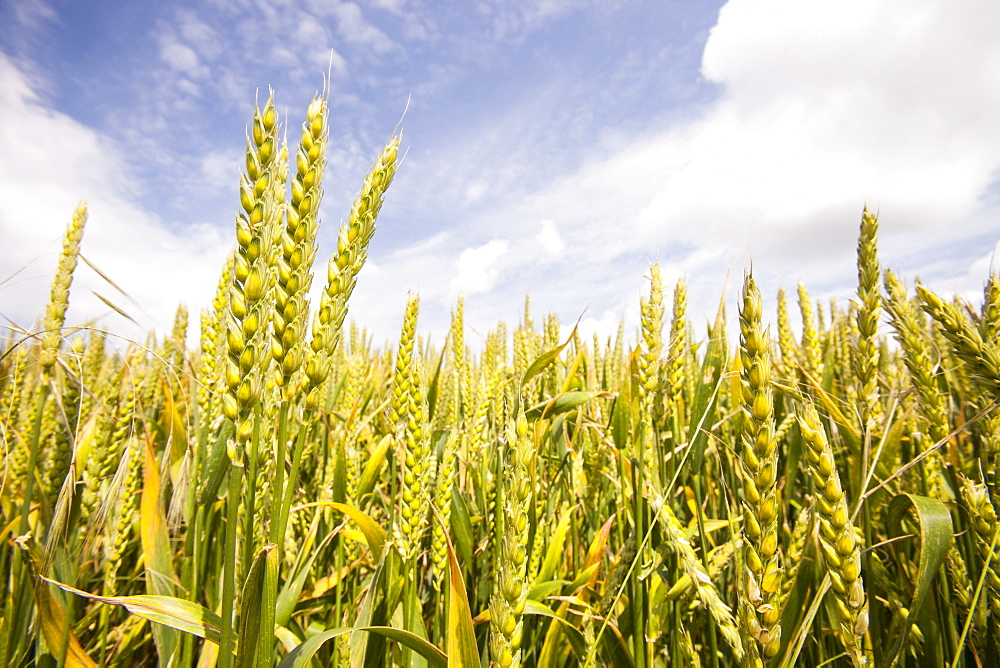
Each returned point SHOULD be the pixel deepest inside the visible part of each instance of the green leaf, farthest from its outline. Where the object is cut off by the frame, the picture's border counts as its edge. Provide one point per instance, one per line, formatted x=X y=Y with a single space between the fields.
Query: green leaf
x=793 y=456
x=51 y=616
x=572 y=634
x=156 y=550
x=217 y=466
x=432 y=388
x=707 y=391
x=801 y=606
x=462 y=647
x=370 y=473
x=611 y=646
x=935 y=534
x=367 y=649
x=620 y=420
x=289 y=641
x=461 y=525
x=545 y=359
x=374 y=534
x=554 y=551
x=292 y=589
x=251 y=633
x=791 y=648
x=173 y=612
x=561 y=403
x=543 y=590
x=339 y=489
x=303 y=654
x=412 y=620
x=585 y=576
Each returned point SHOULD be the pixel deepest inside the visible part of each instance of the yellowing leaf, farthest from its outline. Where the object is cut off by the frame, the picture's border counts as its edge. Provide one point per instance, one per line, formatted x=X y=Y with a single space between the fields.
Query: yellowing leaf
x=52 y=617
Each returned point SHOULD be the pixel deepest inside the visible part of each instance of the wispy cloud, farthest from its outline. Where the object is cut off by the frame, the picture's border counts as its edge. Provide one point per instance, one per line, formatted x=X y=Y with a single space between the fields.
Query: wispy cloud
x=182 y=58
x=32 y=13
x=155 y=267
x=822 y=110
x=535 y=167
x=353 y=27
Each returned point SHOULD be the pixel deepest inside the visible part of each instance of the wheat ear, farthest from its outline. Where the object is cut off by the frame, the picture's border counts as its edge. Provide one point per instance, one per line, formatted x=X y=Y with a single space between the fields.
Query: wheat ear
x=869 y=308
x=507 y=604
x=981 y=356
x=409 y=418
x=343 y=268
x=838 y=536
x=759 y=613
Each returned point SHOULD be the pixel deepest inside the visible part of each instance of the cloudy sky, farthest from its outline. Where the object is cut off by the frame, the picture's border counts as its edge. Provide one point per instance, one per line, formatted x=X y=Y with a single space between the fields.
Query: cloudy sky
x=553 y=147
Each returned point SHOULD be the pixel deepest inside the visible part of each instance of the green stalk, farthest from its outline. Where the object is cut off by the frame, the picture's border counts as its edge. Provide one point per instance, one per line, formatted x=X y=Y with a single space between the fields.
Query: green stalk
x=229 y=566
x=104 y=635
x=251 y=495
x=637 y=587
x=197 y=557
x=409 y=596
x=712 y=640
x=190 y=569
x=870 y=593
x=278 y=519
x=980 y=588
x=265 y=653
x=338 y=605
x=286 y=503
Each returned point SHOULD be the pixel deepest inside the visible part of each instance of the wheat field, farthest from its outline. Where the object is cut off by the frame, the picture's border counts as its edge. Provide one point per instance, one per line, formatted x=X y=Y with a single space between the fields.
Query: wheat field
x=289 y=494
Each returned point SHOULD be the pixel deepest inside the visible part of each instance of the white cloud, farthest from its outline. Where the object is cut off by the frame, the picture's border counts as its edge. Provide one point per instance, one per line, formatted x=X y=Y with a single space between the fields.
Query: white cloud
x=604 y=328
x=513 y=21
x=549 y=239
x=819 y=108
x=475 y=191
x=538 y=11
x=310 y=32
x=395 y=6
x=967 y=282
x=354 y=28
x=33 y=13
x=205 y=40
x=182 y=58
x=221 y=169
x=477 y=269
x=283 y=56
x=313 y=39
x=333 y=60
x=51 y=162
x=822 y=108
x=826 y=107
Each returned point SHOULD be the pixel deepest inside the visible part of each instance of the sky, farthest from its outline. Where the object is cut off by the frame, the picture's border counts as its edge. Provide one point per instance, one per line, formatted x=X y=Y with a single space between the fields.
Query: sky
x=552 y=147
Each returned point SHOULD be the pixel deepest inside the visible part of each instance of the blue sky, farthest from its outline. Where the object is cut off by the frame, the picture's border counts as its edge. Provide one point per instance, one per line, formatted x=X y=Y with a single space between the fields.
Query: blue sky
x=552 y=147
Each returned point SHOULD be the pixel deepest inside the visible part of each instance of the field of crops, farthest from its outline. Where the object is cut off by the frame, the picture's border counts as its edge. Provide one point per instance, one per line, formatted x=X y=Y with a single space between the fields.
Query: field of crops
x=290 y=494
